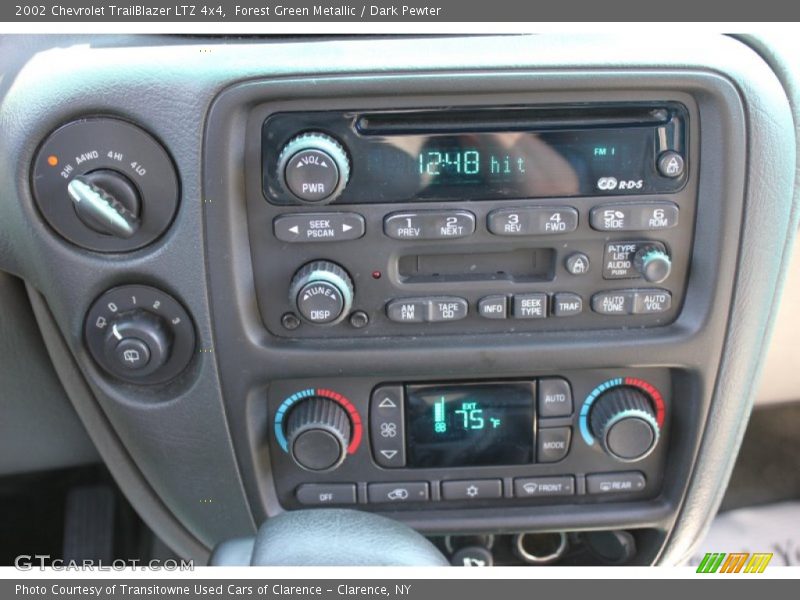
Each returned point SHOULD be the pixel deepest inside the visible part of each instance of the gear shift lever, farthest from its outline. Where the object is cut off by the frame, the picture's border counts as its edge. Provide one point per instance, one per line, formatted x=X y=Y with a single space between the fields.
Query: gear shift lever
x=329 y=537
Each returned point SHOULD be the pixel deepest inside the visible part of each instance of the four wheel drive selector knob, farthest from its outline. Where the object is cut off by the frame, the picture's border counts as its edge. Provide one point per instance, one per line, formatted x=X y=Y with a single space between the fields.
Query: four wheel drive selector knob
x=314 y=167
x=105 y=185
x=318 y=432
x=322 y=291
x=624 y=421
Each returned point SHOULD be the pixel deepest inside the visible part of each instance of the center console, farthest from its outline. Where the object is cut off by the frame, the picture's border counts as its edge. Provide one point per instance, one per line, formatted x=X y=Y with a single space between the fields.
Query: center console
x=431 y=220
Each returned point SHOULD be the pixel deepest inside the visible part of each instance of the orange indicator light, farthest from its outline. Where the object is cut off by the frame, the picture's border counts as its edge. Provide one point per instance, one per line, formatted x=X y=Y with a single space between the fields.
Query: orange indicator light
x=52 y=160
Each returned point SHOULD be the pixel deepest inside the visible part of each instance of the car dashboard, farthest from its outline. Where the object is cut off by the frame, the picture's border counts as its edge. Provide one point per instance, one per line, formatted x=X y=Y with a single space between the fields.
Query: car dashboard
x=488 y=286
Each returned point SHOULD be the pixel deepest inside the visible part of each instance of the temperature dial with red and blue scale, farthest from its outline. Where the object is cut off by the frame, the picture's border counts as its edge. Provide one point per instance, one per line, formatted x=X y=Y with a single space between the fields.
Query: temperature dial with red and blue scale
x=624 y=416
x=318 y=428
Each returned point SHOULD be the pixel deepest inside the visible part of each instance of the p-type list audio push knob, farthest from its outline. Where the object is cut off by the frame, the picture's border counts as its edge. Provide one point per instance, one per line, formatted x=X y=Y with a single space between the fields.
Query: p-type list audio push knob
x=314 y=167
x=322 y=291
x=653 y=263
x=624 y=420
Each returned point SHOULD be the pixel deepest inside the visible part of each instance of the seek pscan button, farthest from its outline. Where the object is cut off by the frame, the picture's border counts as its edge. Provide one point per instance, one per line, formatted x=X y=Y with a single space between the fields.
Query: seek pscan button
x=319 y=227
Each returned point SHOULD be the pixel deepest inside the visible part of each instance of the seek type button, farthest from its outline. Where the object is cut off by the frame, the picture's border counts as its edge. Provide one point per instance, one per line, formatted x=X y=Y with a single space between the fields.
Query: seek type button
x=321 y=227
x=530 y=306
x=386 y=426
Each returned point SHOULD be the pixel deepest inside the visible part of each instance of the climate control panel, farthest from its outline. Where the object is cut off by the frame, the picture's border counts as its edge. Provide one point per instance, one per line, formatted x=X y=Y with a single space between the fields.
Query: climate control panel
x=571 y=437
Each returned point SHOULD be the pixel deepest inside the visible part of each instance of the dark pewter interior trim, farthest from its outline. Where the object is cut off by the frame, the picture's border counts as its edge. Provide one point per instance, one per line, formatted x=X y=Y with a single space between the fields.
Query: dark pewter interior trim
x=137 y=490
x=179 y=436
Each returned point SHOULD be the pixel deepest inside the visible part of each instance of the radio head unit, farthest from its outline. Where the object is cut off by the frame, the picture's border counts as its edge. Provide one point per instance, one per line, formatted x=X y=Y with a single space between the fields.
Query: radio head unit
x=479 y=154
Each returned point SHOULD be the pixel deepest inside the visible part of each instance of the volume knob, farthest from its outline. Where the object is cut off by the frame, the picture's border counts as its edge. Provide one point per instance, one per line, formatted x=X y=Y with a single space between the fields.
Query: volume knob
x=624 y=421
x=314 y=167
x=318 y=433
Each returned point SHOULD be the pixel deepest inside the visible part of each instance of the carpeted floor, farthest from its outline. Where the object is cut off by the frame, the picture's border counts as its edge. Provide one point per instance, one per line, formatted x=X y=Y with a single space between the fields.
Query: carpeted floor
x=761 y=509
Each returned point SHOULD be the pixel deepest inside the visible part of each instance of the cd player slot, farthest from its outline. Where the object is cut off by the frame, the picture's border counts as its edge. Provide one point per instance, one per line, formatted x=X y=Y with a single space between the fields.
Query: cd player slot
x=527 y=265
x=509 y=119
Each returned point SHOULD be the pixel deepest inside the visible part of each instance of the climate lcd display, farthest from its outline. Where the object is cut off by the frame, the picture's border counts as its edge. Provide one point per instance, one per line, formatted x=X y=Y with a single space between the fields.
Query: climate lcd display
x=470 y=424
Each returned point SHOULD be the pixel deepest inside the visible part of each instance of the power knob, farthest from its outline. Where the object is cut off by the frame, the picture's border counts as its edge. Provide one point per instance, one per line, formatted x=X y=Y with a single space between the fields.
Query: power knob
x=318 y=433
x=653 y=263
x=322 y=291
x=624 y=421
x=314 y=167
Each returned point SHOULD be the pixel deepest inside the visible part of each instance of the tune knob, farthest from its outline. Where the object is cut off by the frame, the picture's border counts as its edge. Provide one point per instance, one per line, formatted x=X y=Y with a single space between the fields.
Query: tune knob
x=314 y=167
x=624 y=421
x=322 y=291
x=318 y=433
x=653 y=263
